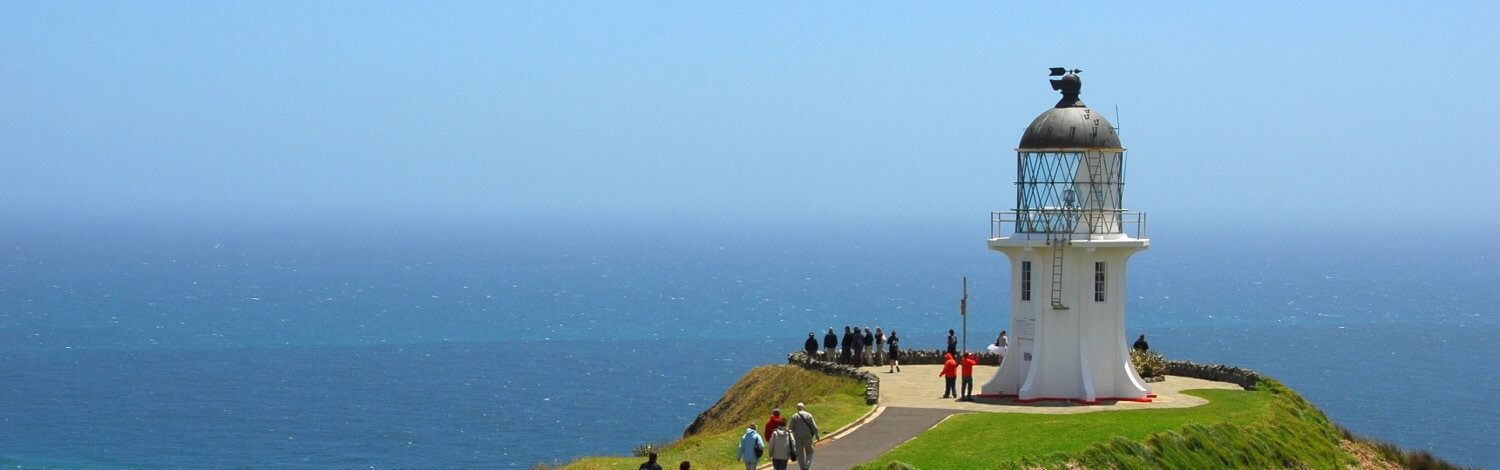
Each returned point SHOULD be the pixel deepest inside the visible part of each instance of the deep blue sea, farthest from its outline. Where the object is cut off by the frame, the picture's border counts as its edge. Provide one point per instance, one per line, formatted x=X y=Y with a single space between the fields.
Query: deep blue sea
x=261 y=347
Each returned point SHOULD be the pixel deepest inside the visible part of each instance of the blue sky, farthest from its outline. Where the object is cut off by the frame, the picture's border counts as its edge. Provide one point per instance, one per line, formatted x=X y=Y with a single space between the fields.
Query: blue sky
x=1259 y=115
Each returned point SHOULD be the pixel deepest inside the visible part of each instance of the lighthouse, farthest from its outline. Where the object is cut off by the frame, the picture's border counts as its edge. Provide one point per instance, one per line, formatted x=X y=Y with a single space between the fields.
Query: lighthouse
x=1067 y=240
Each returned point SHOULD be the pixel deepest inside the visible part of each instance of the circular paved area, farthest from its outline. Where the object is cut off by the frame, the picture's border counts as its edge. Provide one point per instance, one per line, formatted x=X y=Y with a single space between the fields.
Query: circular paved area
x=920 y=387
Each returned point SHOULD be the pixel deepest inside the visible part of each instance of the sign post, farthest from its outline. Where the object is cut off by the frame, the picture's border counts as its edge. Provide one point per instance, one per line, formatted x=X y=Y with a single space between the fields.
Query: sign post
x=963 y=311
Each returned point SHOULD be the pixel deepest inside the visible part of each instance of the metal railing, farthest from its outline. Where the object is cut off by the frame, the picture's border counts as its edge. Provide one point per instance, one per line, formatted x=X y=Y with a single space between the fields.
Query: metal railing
x=1076 y=223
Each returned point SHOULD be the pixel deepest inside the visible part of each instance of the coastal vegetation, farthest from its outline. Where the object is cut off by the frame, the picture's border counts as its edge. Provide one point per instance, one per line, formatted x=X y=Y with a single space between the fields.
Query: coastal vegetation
x=1266 y=426
x=711 y=440
x=1269 y=426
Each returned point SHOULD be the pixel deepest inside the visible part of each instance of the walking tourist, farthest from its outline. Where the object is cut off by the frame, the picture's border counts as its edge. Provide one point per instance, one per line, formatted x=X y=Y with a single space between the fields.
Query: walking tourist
x=950 y=377
x=782 y=446
x=805 y=431
x=895 y=347
x=751 y=447
x=967 y=369
x=830 y=341
x=879 y=347
x=776 y=421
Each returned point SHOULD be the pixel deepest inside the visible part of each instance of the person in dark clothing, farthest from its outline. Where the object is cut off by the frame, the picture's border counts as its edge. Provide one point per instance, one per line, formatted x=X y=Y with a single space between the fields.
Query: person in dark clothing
x=830 y=341
x=1141 y=344
x=869 y=340
x=952 y=344
x=895 y=345
x=811 y=346
x=650 y=463
x=845 y=345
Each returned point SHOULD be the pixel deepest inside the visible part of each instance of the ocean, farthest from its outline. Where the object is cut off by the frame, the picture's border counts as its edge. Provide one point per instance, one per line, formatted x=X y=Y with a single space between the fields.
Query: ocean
x=296 y=348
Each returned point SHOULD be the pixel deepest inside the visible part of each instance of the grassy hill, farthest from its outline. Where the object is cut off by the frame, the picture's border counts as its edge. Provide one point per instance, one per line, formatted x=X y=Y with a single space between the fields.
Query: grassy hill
x=1269 y=426
x=711 y=440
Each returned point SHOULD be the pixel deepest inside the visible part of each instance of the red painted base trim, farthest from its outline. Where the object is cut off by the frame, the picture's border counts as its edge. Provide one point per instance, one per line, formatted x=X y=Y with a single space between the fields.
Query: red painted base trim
x=1146 y=399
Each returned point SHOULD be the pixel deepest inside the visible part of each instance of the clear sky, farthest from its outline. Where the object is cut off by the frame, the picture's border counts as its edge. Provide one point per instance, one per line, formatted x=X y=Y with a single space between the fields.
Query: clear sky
x=1308 y=114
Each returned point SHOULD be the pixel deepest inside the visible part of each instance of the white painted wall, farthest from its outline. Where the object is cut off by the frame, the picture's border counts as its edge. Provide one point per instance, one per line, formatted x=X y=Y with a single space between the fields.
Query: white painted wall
x=1080 y=353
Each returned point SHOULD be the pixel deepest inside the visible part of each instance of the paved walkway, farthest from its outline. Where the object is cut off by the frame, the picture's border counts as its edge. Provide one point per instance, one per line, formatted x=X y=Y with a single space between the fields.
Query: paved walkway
x=911 y=402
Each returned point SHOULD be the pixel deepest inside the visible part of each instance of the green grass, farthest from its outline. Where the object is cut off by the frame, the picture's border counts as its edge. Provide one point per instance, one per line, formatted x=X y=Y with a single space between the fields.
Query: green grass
x=835 y=401
x=1270 y=427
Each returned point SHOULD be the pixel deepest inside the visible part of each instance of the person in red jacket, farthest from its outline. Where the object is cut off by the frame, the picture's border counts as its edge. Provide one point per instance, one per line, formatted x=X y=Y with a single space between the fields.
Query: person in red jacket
x=776 y=421
x=968 y=374
x=950 y=375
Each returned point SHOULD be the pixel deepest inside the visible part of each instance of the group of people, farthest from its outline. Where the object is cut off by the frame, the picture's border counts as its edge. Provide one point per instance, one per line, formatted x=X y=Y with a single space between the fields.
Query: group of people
x=952 y=367
x=788 y=440
x=859 y=347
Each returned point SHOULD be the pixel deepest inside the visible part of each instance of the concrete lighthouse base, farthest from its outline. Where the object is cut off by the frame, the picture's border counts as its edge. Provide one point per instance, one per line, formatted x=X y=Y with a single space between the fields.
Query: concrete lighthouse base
x=1076 y=348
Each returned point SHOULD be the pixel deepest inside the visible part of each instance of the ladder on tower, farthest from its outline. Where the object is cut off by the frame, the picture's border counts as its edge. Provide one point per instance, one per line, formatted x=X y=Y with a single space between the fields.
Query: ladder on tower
x=1057 y=241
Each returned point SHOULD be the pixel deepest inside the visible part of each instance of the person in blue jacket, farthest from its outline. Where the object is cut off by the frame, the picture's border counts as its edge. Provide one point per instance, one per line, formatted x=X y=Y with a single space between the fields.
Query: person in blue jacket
x=748 y=444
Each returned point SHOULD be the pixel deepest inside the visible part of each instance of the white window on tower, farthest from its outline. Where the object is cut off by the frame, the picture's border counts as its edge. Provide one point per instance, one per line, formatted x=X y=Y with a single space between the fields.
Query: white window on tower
x=1099 y=281
x=1025 y=280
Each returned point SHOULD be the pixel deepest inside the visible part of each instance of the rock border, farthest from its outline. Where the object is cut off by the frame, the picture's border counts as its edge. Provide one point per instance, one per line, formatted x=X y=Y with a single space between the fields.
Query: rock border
x=1245 y=378
x=872 y=383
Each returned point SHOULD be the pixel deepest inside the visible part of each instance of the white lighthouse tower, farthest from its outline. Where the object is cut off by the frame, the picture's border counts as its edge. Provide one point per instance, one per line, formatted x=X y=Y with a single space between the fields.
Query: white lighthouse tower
x=1068 y=239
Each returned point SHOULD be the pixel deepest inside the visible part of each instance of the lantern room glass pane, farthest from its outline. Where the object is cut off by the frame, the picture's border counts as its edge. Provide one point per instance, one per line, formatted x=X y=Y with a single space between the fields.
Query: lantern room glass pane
x=1067 y=192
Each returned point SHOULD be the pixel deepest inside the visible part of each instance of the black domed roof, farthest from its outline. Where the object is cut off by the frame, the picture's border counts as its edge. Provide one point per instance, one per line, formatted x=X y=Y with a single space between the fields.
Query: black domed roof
x=1070 y=124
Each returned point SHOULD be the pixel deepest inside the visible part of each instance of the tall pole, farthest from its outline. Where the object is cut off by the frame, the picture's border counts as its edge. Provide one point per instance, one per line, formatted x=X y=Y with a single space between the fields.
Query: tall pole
x=963 y=311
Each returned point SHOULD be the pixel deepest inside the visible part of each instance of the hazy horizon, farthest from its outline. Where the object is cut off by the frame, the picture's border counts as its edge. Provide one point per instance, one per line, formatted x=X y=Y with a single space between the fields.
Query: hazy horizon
x=1307 y=116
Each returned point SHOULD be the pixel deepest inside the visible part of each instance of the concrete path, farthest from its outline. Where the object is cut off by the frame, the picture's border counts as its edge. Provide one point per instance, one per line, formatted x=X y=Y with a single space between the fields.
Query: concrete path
x=911 y=403
x=891 y=427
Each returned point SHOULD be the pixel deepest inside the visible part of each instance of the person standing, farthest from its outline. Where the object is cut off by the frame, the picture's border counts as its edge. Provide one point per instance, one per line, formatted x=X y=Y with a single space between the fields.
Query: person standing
x=952 y=344
x=869 y=348
x=895 y=347
x=879 y=346
x=846 y=344
x=749 y=443
x=650 y=463
x=776 y=421
x=805 y=431
x=1001 y=346
x=858 y=349
x=781 y=446
x=968 y=373
x=1141 y=344
x=830 y=341
x=811 y=346
x=950 y=377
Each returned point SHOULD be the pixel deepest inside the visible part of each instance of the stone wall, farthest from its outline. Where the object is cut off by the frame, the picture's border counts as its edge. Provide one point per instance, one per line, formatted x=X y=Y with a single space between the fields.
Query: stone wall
x=936 y=356
x=1216 y=372
x=872 y=383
